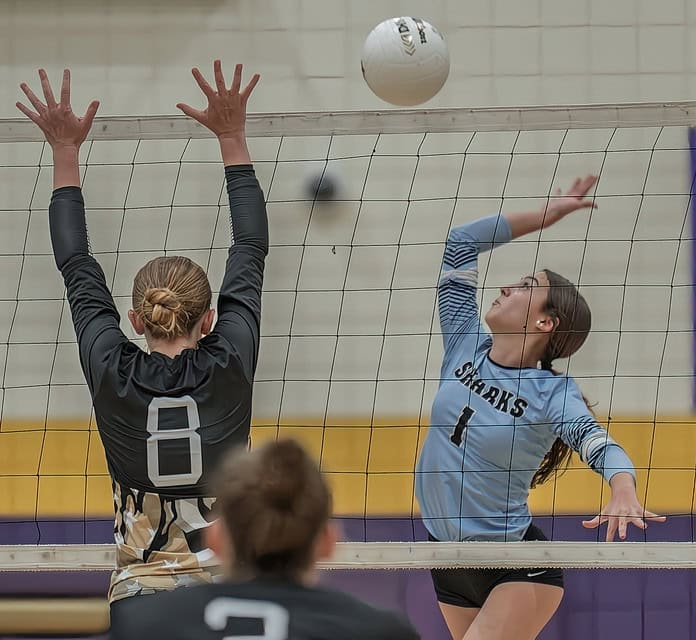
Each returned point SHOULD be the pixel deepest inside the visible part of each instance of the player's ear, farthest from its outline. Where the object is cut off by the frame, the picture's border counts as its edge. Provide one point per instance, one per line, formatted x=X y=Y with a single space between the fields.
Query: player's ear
x=137 y=322
x=207 y=324
x=326 y=542
x=546 y=323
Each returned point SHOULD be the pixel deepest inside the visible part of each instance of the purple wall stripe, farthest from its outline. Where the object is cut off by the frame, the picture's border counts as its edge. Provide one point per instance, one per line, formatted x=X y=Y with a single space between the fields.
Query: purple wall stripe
x=601 y=604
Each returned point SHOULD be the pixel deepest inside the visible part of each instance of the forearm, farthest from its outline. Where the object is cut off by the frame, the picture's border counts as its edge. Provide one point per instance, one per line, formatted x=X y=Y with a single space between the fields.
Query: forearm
x=597 y=449
x=615 y=466
x=248 y=218
x=524 y=222
x=66 y=166
x=481 y=235
x=234 y=150
x=66 y=216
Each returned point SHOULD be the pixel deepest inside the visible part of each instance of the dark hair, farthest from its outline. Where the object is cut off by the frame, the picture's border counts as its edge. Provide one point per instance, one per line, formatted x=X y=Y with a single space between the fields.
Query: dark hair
x=274 y=503
x=571 y=313
x=170 y=294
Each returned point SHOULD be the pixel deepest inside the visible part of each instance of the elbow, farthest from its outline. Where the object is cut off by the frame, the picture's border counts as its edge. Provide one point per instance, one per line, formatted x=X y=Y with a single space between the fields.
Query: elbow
x=454 y=235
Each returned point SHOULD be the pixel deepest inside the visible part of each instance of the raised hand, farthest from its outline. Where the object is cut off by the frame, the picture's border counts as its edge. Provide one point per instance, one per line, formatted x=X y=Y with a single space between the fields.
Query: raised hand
x=59 y=124
x=561 y=204
x=622 y=509
x=225 y=114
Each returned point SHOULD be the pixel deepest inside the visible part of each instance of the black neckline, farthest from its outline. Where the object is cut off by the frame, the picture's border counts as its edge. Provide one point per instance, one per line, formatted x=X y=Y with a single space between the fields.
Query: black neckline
x=502 y=366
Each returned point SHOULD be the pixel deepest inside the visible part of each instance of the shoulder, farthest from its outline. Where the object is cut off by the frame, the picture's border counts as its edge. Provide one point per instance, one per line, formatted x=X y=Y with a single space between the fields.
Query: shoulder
x=550 y=382
x=149 y=616
x=363 y=619
x=139 y=616
x=563 y=384
x=215 y=350
x=565 y=400
x=321 y=612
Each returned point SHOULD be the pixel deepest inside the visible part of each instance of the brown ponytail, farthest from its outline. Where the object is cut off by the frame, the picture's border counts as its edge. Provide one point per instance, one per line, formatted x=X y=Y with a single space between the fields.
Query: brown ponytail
x=558 y=457
x=274 y=503
x=573 y=321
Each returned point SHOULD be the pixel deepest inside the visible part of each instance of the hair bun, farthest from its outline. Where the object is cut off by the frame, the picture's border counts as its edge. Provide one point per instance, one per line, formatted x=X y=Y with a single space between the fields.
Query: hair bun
x=170 y=295
x=161 y=307
x=163 y=297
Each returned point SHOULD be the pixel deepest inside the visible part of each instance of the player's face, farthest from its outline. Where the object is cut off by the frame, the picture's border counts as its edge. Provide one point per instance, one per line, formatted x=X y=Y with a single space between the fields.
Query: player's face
x=519 y=305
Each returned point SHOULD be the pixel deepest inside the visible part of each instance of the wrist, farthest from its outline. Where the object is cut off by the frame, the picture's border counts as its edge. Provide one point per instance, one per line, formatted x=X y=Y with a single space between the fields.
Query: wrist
x=233 y=148
x=550 y=216
x=622 y=482
x=66 y=166
x=69 y=151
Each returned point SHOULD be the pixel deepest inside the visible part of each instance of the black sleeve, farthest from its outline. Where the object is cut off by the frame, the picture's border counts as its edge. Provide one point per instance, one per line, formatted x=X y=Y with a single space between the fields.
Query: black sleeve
x=94 y=314
x=239 y=303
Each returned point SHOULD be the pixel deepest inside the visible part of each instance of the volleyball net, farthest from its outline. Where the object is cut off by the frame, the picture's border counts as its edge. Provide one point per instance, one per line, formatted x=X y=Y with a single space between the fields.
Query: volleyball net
x=351 y=345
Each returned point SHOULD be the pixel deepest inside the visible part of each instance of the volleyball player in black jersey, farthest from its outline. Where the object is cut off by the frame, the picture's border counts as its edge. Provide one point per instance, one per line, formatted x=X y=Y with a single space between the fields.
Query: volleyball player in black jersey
x=274 y=527
x=167 y=416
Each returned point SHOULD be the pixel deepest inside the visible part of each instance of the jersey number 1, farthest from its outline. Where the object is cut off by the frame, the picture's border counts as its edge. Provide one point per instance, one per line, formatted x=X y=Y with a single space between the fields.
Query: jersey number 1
x=462 y=424
x=186 y=432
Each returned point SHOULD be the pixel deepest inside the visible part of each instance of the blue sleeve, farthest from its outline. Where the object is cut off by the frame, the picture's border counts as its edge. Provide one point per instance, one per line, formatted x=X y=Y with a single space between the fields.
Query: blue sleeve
x=574 y=423
x=459 y=316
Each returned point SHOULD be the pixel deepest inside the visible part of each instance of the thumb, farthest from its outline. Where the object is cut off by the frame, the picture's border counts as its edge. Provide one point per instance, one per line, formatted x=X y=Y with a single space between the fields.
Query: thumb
x=90 y=113
x=190 y=111
x=592 y=524
x=588 y=204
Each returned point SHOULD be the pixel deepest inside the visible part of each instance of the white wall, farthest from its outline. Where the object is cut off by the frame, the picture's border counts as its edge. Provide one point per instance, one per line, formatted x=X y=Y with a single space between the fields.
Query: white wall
x=135 y=57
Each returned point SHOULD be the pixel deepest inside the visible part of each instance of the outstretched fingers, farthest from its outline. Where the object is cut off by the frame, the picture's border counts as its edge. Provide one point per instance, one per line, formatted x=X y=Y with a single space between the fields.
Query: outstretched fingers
x=619 y=524
x=236 y=79
x=47 y=91
x=587 y=204
x=219 y=78
x=250 y=87
x=582 y=186
x=65 y=89
x=88 y=118
x=203 y=84
x=653 y=517
x=595 y=522
x=31 y=96
x=225 y=112
x=28 y=113
x=188 y=110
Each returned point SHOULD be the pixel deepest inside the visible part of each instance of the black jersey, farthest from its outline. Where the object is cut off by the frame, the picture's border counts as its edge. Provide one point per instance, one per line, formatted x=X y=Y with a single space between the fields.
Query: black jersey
x=165 y=422
x=263 y=608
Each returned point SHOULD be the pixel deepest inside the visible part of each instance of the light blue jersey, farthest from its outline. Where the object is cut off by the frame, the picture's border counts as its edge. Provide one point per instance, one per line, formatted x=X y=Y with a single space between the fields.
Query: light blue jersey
x=491 y=426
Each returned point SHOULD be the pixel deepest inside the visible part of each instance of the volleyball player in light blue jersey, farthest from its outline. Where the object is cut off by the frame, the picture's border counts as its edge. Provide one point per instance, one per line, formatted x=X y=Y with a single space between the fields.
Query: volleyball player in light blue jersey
x=503 y=421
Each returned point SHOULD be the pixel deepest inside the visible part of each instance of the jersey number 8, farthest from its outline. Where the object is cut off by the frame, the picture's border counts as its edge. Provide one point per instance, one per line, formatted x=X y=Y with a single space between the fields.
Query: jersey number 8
x=188 y=432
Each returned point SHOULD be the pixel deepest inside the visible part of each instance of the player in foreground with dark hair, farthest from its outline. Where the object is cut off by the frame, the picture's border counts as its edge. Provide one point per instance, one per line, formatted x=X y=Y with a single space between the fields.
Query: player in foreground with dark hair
x=165 y=417
x=274 y=525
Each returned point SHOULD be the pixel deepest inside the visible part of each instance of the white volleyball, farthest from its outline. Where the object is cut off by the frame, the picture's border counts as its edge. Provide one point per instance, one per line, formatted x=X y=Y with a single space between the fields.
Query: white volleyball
x=405 y=61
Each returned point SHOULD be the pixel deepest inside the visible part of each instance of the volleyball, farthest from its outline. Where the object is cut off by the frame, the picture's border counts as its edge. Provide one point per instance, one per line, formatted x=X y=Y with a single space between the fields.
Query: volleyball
x=405 y=61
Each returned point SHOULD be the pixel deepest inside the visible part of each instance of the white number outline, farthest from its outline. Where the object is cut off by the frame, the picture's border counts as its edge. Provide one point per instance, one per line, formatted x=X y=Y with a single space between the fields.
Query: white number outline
x=157 y=435
x=276 y=619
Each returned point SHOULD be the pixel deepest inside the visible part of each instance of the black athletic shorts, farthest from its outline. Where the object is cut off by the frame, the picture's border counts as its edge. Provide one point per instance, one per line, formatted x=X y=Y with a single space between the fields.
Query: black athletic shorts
x=470 y=587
